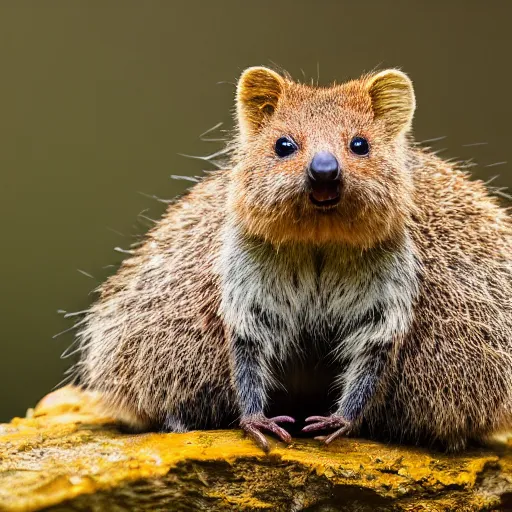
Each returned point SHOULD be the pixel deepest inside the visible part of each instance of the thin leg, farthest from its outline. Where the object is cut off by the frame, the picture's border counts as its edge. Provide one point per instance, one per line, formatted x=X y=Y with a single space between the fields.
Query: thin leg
x=252 y=379
x=361 y=382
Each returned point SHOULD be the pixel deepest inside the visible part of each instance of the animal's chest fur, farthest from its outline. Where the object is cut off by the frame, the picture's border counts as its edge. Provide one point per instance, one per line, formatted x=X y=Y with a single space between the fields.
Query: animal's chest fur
x=311 y=309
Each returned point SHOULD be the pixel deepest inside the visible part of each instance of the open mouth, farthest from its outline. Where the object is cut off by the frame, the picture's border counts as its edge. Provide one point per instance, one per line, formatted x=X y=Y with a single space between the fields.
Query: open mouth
x=325 y=195
x=324 y=203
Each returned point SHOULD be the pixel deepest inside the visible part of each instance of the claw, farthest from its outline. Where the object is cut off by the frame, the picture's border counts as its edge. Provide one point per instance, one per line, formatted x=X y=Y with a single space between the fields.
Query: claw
x=282 y=419
x=252 y=426
x=257 y=437
x=337 y=422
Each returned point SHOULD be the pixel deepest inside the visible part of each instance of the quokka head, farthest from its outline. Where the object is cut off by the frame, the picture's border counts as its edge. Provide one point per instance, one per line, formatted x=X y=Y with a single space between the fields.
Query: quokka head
x=322 y=164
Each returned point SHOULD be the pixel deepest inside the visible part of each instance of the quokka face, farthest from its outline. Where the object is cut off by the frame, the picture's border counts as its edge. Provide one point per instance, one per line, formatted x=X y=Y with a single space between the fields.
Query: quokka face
x=322 y=164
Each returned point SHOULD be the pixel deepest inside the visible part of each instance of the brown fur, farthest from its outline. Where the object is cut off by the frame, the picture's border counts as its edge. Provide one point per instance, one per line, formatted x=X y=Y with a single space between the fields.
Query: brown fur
x=155 y=341
x=452 y=379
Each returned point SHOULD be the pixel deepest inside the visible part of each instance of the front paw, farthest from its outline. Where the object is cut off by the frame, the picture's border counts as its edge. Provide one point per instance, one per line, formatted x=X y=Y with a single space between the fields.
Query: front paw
x=334 y=421
x=253 y=425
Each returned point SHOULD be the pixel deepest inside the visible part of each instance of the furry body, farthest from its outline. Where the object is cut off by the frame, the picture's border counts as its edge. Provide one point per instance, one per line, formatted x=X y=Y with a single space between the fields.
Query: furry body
x=392 y=310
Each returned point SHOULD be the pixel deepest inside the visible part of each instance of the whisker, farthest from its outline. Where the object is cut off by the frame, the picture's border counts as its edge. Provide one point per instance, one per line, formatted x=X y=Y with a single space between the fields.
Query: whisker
x=194 y=179
x=124 y=251
x=496 y=164
x=208 y=158
x=491 y=179
x=115 y=231
x=159 y=199
x=435 y=139
x=218 y=125
x=71 y=350
x=474 y=144
x=76 y=313
x=86 y=274
x=226 y=82
x=145 y=217
x=72 y=328
x=500 y=192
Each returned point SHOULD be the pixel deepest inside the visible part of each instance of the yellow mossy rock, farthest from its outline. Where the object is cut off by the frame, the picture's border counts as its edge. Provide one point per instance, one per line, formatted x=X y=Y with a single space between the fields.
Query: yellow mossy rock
x=66 y=456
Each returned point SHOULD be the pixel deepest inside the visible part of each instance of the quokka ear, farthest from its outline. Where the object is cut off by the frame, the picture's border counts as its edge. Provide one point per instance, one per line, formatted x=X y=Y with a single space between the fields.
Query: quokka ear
x=257 y=94
x=393 y=100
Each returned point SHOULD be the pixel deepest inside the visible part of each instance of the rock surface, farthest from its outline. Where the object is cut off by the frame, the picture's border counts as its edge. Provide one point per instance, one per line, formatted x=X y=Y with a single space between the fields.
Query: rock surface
x=66 y=456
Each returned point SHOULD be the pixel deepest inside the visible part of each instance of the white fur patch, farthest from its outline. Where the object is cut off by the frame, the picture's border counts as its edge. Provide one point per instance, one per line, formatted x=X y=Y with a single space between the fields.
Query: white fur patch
x=276 y=294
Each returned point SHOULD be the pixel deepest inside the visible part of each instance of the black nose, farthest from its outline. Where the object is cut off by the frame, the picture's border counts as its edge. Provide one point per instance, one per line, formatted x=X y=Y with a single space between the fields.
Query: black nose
x=324 y=167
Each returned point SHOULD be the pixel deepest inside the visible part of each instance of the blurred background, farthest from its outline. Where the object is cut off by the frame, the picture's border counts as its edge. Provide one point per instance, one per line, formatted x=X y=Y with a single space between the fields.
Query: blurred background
x=97 y=100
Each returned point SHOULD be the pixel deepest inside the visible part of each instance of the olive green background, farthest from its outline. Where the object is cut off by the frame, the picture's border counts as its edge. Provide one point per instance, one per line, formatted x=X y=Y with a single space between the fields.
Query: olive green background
x=98 y=98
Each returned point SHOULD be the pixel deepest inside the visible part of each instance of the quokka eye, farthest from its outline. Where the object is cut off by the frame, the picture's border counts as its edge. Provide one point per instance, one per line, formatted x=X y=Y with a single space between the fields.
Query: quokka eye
x=359 y=146
x=285 y=147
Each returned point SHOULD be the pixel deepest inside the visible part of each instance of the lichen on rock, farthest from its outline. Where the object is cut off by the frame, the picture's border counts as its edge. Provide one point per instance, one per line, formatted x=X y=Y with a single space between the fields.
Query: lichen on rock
x=66 y=456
